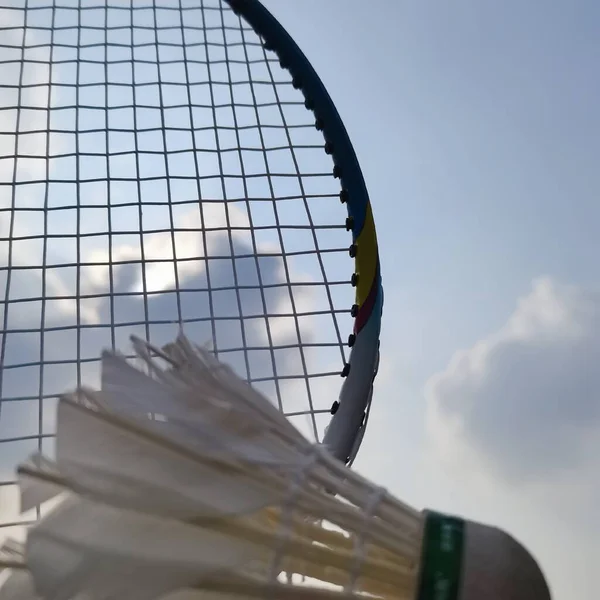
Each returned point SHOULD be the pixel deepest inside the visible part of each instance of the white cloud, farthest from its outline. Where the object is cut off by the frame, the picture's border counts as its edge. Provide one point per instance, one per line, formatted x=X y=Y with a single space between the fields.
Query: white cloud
x=165 y=246
x=526 y=397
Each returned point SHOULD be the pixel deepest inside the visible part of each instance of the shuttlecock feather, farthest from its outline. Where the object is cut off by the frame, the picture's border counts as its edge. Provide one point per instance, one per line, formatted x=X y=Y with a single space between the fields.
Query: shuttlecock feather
x=180 y=481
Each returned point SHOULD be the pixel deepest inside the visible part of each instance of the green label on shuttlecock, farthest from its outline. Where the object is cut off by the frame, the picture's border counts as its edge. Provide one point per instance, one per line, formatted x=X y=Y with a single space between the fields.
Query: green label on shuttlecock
x=441 y=558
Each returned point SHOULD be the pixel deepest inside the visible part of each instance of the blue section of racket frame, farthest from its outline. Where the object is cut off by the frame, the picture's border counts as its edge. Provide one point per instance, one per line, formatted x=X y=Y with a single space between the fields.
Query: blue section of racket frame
x=346 y=429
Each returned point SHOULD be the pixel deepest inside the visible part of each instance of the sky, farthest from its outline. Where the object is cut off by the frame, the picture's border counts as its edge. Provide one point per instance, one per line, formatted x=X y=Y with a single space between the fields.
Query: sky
x=477 y=130
x=478 y=133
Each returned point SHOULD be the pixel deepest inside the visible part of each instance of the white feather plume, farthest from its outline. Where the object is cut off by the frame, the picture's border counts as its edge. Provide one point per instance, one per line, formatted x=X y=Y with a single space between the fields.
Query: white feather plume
x=181 y=479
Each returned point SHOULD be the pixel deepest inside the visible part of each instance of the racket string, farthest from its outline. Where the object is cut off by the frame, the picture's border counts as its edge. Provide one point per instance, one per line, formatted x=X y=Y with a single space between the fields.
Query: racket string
x=134 y=114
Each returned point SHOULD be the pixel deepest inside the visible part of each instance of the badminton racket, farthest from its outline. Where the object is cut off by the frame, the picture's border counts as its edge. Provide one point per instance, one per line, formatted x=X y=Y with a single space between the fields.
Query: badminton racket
x=177 y=164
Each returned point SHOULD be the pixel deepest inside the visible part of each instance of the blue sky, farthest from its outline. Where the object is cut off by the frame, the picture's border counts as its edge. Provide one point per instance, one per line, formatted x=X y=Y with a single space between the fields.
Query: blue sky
x=478 y=132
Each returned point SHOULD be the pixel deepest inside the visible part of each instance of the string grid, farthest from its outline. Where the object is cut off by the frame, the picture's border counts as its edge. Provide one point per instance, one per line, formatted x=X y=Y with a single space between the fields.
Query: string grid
x=159 y=170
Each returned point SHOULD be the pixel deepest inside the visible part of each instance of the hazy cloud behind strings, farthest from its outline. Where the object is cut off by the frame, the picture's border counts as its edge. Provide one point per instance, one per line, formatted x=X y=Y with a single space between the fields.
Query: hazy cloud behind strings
x=236 y=311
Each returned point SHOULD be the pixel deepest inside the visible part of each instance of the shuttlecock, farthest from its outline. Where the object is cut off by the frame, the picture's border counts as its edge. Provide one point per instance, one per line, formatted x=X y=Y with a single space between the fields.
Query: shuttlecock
x=180 y=481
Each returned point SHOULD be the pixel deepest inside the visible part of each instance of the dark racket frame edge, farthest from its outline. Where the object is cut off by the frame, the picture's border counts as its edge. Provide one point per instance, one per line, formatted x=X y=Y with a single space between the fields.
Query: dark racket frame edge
x=346 y=429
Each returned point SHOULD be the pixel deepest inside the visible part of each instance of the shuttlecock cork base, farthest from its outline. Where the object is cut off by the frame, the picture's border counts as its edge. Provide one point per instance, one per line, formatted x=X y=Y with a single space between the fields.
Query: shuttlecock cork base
x=181 y=481
x=462 y=559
